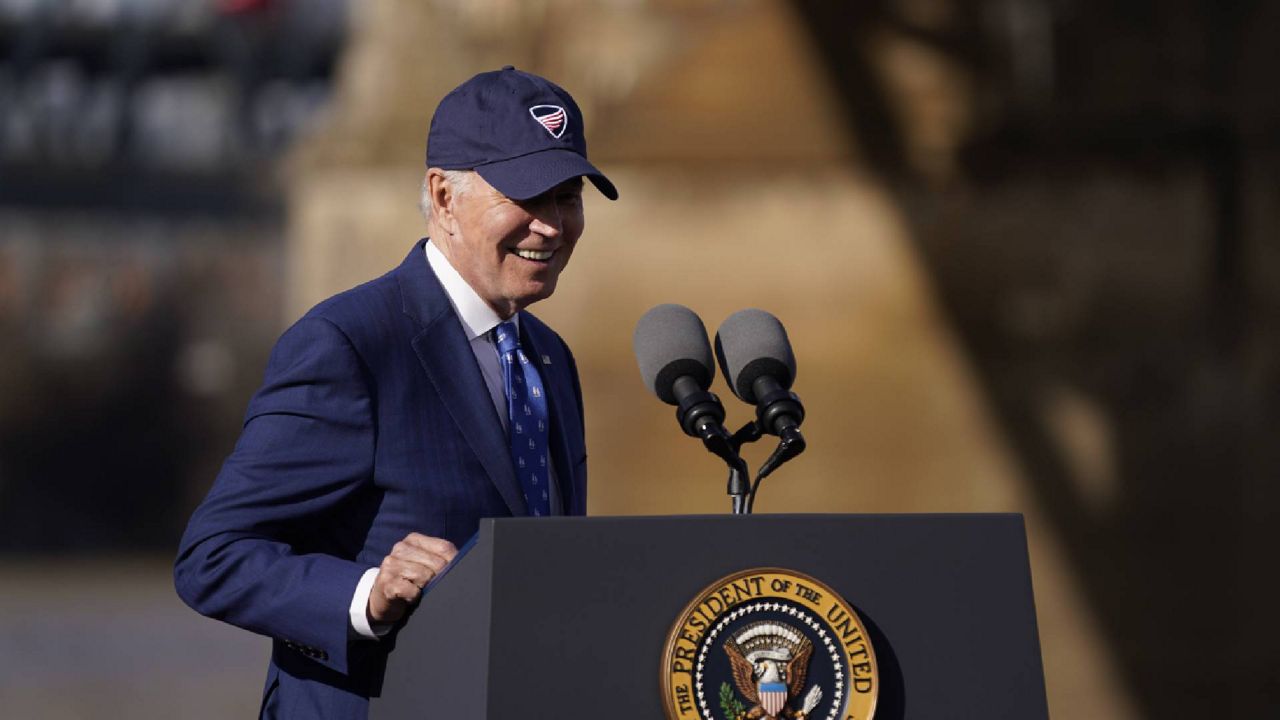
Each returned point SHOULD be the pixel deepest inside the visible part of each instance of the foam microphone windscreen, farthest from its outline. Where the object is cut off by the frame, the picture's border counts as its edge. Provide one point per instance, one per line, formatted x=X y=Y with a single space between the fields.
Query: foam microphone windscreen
x=752 y=343
x=670 y=341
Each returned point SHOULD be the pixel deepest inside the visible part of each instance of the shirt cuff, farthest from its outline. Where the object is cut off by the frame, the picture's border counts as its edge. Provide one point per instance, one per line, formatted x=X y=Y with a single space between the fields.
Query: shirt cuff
x=360 y=606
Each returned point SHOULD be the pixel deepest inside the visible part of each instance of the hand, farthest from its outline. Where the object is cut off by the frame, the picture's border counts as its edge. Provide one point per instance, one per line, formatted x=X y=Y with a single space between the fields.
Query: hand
x=410 y=566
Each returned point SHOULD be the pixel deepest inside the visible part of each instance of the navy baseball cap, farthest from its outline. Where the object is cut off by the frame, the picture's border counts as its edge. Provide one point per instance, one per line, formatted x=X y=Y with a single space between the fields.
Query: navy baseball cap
x=521 y=132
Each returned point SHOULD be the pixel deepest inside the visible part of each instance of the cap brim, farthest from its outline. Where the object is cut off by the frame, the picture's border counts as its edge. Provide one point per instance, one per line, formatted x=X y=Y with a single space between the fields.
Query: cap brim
x=529 y=176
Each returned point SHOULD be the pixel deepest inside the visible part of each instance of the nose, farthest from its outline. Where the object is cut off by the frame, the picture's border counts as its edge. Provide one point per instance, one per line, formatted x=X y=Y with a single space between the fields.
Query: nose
x=546 y=219
x=542 y=227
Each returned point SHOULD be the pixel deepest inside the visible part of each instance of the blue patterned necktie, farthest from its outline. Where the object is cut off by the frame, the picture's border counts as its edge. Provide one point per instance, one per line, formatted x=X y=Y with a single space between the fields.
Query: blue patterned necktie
x=527 y=419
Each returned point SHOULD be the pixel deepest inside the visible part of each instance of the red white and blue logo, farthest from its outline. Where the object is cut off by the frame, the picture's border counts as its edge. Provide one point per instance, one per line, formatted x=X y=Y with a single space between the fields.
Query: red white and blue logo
x=551 y=117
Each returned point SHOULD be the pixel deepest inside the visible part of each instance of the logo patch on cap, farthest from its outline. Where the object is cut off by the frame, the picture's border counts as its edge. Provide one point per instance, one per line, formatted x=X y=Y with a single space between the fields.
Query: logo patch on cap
x=551 y=117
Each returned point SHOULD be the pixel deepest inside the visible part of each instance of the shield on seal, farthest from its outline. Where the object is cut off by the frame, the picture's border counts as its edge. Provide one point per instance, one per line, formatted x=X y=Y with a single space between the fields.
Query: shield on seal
x=773 y=697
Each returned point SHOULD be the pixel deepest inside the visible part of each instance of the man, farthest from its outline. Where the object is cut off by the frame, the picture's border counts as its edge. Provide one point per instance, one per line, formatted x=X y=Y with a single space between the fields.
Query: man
x=395 y=415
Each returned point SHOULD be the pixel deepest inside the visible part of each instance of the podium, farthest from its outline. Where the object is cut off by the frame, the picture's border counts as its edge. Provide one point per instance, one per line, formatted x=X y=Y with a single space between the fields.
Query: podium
x=569 y=617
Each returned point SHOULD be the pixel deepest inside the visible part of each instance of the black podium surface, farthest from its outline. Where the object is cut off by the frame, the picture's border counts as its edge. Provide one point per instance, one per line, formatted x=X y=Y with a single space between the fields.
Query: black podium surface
x=568 y=617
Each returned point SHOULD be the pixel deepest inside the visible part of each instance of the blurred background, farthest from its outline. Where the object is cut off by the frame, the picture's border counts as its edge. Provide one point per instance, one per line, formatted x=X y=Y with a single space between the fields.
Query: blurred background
x=1026 y=251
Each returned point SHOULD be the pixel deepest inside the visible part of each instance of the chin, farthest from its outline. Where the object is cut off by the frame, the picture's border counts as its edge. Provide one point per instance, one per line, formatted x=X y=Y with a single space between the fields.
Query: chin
x=539 y=291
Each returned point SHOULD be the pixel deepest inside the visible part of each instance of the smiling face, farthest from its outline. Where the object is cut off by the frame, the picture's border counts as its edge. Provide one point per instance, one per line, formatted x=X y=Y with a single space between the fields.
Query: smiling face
x=511 y=252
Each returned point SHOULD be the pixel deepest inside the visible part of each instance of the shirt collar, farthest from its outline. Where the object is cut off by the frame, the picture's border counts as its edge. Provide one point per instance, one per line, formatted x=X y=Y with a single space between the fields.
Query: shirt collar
x=473 y=312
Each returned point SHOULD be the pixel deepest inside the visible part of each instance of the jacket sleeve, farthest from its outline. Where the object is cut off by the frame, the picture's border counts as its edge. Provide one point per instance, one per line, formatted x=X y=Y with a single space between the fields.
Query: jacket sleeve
x=261 y=552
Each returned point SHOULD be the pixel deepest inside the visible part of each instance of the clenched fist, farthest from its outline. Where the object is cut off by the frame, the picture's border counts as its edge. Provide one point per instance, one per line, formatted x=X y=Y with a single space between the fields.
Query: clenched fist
x=410 y=566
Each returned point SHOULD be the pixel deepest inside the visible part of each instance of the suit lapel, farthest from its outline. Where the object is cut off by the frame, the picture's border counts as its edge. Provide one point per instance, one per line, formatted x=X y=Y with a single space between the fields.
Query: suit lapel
x=446 y=357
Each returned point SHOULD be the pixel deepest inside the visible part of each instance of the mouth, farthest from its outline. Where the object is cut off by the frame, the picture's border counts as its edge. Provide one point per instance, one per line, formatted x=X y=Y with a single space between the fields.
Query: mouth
x=534 y=255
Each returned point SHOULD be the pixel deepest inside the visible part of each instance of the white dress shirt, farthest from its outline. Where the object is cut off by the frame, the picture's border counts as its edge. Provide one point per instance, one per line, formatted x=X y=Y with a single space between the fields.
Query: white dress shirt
x=478 y=320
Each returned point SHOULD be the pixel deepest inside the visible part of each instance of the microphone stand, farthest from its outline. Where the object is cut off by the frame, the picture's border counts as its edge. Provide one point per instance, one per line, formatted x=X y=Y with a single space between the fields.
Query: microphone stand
x=701 y=415
x=722 y=445
x=791 y=444
x=729 y=447
x=742 y=501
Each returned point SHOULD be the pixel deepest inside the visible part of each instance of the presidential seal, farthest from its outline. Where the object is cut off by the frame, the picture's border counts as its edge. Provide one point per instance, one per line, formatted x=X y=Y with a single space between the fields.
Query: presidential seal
x=769 y=644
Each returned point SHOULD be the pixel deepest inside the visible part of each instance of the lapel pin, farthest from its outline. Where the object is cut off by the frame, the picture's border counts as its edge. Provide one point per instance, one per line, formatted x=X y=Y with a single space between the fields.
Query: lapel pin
x=546 y=359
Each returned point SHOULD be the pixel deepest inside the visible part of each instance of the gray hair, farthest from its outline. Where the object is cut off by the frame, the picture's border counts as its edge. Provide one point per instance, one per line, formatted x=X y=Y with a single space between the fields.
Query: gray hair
x=459 y=181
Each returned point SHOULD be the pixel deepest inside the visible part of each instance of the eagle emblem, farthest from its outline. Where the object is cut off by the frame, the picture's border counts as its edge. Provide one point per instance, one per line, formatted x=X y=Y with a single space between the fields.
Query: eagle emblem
x=769 y=662
x=769 y=644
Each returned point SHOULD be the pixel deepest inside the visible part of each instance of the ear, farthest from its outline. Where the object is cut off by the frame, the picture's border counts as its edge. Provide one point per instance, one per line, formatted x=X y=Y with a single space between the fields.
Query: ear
x=442 y=197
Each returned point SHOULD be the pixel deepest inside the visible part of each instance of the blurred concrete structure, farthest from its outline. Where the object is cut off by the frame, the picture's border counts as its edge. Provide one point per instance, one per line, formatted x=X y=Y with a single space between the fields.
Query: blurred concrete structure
x=1025 y=250
x=140 y=257
x=741 y=187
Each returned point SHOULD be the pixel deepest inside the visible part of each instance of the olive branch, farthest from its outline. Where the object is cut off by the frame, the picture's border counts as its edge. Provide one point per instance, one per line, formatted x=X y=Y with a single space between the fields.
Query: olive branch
x=730 y=705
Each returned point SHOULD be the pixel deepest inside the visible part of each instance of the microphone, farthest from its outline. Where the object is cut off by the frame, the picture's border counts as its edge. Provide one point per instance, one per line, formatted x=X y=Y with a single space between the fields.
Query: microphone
x=675 y=362
x=756 y=358
x=757 y=361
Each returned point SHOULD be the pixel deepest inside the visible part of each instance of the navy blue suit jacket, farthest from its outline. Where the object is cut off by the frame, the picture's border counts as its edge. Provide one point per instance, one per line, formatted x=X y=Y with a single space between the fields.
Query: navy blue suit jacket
x=373 y=421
